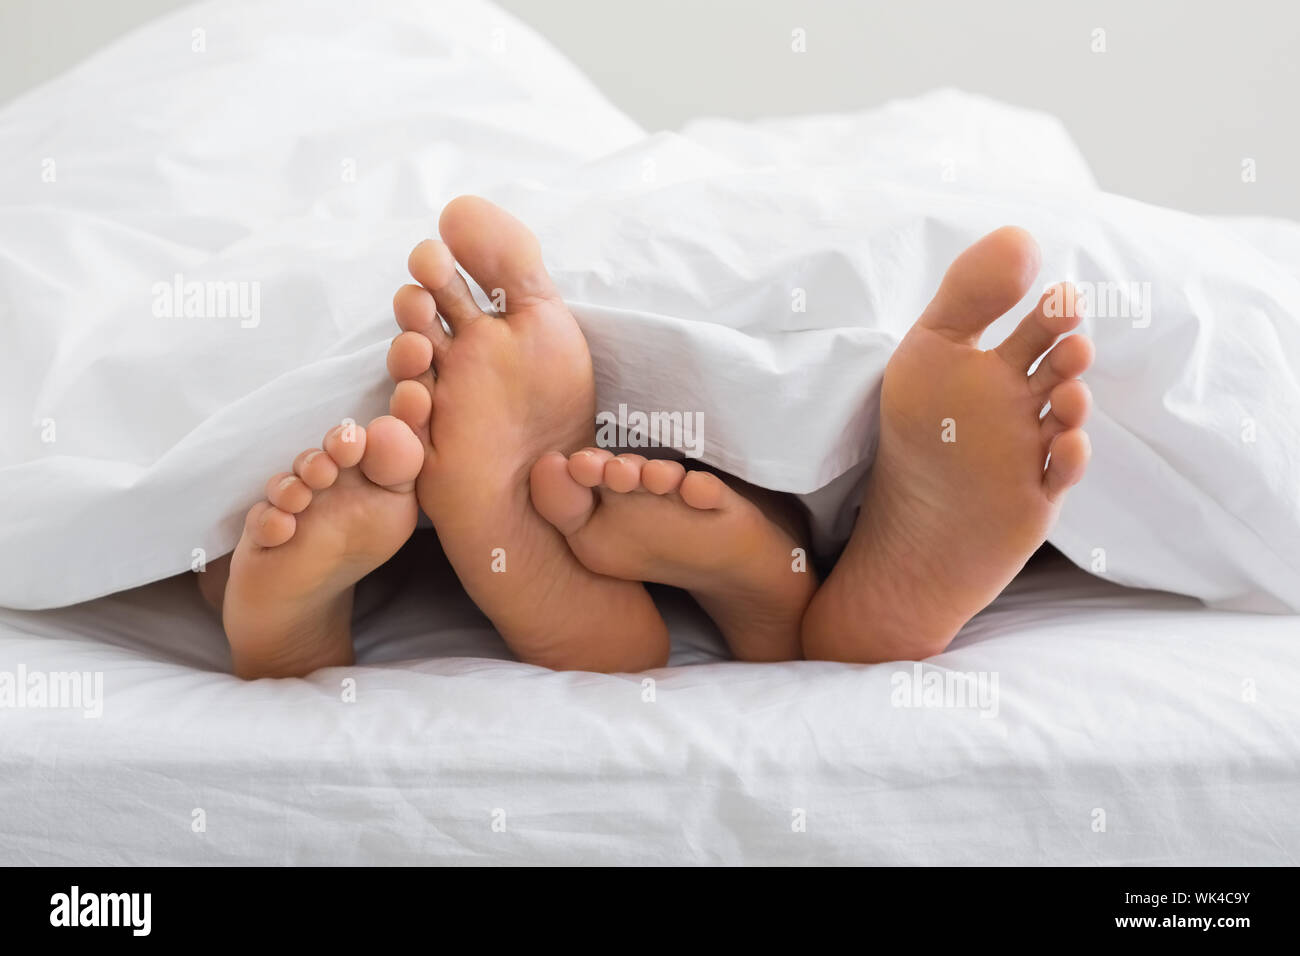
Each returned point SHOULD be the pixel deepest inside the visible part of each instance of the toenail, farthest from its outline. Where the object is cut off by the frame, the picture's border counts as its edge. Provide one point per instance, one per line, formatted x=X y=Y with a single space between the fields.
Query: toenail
x=310 y=458
x=286 y=482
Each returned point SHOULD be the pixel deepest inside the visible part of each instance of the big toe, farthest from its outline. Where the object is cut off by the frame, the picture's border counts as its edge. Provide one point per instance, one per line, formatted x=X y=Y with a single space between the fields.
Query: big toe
x=393 y=456
x=557 y=496
x=497 y=249
x=982 y=283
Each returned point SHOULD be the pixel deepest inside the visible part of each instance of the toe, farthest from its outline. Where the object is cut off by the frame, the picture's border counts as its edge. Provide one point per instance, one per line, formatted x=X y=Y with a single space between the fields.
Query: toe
x=702 y=490
x=412 y=403
x=587 y=467
x=415 y=311
x=288 y=493
x=268 y=526
x=316 y=468
x=345 y=444
x=1070 y=358
x=1055 y=314
x=983 y=283
x=623 y=473
x=433 y=266
x=1071 y=402
x=410 y=356
x=393 y=454
x=497 y=250
x=1070 y=454
x=661 y=476
x=559 y=498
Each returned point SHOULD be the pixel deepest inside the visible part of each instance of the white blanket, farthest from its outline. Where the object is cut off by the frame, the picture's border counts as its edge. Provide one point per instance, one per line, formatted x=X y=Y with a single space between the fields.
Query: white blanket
x=285 y=157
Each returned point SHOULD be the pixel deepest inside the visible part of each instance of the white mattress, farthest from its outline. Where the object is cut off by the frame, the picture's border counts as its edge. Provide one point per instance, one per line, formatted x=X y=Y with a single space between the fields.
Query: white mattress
x=1129 y=703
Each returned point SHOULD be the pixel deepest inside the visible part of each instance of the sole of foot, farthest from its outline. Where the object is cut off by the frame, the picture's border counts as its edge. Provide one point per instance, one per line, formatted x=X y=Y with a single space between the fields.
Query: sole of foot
x=344 y=509
x=627 y=517
x=489 y=393
x=969 y=474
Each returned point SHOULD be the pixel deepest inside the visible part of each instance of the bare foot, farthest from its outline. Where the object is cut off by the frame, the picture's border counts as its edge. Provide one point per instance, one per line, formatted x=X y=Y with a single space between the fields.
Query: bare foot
x=488 y=399
x=962 y=491
x=345 y=509
x=652 y=521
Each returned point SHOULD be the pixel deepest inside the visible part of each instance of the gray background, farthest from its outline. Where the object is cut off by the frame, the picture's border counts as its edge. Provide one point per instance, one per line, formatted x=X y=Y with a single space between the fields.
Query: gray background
x=1185 y=91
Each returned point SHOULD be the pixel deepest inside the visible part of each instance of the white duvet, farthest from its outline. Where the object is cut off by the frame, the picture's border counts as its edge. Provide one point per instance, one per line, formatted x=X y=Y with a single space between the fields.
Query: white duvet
x=281 y=158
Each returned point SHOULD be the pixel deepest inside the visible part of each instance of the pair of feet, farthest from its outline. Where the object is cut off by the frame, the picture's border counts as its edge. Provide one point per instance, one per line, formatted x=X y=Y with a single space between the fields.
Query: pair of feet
x=491 y=431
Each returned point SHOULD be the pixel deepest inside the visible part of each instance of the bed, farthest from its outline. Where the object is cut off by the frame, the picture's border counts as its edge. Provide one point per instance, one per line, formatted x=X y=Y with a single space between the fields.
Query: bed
x=1126 y=727
x=1125 y=706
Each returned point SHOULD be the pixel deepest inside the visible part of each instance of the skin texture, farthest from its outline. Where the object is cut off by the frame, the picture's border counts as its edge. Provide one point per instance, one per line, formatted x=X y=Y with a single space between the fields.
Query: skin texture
x=736 y=549
x=946 y=524
x=488 y=396
x=285 y=594
x=491 y=434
